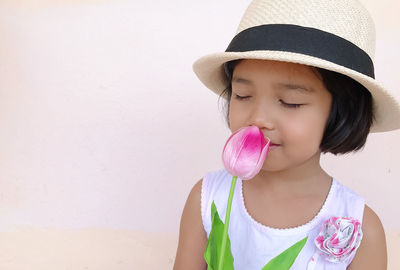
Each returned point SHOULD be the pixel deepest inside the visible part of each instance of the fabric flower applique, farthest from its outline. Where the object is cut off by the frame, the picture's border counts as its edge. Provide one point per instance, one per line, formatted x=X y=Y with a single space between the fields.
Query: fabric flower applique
x=337 y=241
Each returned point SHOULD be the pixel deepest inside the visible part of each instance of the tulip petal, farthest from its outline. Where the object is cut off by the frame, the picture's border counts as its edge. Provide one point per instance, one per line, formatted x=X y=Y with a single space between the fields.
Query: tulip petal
x=232 y=149
x=243 y=152
x=260 y=161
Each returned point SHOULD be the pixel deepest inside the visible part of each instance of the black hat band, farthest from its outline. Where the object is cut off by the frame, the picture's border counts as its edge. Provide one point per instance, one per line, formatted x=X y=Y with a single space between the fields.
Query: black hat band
x=303 y=40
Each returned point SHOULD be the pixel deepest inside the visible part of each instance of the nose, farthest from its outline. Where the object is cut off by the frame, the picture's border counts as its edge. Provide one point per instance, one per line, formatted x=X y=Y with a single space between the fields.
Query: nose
x=262 y=116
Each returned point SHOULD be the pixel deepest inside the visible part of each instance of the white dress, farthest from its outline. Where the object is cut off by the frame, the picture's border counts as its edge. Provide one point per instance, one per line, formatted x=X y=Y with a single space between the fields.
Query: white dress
x=253 y=245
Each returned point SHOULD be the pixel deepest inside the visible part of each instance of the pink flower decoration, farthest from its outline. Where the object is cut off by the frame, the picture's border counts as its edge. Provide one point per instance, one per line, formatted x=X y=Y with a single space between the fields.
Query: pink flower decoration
x=245 y=151
x=339 y=238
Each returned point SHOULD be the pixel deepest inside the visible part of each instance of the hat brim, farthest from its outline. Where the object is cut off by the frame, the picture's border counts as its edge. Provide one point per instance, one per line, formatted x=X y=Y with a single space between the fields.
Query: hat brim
x=209 y=69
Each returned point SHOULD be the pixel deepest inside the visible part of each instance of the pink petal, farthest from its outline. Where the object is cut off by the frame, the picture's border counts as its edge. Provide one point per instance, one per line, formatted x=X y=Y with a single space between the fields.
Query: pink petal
x=245 y=152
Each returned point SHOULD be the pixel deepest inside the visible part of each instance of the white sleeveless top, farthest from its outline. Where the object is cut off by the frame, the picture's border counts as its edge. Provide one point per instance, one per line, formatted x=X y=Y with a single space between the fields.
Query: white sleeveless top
x=253 y=245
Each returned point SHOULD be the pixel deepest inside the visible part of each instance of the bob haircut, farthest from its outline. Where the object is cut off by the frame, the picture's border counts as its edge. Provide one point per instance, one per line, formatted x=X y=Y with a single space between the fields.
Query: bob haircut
x=351 y=114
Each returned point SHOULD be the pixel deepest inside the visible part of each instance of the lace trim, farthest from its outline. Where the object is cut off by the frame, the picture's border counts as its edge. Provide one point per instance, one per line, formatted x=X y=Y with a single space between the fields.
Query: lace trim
x=286 y=231
x=203 y=205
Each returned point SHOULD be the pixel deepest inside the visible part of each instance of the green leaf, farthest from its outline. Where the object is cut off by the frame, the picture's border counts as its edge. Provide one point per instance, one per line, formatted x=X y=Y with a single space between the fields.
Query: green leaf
x=285 y=260
x=213 y=249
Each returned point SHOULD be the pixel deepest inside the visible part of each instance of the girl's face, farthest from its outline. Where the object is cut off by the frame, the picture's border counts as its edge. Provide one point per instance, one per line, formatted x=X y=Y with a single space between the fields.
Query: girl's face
x=288 y=102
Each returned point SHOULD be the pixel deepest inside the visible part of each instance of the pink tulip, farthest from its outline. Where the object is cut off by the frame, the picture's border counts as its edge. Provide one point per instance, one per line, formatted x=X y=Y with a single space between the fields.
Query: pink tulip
x=245 y=151
x=243 y=156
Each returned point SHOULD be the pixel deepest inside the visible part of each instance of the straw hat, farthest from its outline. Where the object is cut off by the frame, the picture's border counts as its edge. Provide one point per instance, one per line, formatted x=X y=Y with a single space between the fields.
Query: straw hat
x=337 y=35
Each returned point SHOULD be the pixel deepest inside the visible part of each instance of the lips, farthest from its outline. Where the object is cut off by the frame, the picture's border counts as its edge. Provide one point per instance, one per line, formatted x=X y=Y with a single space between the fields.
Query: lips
x=273 y=146
x=271 y=142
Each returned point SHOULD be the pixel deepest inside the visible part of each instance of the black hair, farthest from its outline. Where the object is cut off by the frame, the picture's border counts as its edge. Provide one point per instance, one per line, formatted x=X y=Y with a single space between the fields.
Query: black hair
x=351 y=114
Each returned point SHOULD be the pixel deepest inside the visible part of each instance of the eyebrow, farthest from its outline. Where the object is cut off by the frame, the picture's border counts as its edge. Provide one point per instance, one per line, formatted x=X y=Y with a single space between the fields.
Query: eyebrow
x=294 y=86
x=288 y=86
x=241 y=80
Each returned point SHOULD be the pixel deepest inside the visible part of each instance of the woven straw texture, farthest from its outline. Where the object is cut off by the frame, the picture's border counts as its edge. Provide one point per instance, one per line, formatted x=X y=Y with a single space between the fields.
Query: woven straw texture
x=351 y=20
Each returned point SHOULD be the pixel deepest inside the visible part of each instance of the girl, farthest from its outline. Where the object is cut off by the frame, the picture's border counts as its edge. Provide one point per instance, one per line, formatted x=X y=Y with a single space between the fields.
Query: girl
x=301 y=71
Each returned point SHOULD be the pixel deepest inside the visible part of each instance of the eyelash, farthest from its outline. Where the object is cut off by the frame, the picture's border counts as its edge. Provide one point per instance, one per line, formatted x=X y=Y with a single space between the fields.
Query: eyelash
x=289 y=105
x=239 y=97
x=284 y=104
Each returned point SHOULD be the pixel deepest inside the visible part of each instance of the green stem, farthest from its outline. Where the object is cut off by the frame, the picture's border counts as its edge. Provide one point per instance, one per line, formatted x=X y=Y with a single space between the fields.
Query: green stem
x=227 y=217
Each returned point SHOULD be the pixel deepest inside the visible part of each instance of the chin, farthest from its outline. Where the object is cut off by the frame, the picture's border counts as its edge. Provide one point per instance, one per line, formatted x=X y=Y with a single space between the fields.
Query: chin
x=279 y=165
x=268 y=167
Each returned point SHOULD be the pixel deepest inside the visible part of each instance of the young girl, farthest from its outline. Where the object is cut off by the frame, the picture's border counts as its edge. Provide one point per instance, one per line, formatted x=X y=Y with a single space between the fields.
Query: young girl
x=301 y=71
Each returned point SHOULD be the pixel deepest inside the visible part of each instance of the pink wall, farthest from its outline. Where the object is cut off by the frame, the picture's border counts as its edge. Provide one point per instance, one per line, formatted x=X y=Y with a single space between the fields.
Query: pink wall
x=104 y=124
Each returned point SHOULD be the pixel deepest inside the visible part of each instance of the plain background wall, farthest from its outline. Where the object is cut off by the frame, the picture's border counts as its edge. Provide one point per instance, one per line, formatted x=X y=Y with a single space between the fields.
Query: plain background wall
x=105 y=128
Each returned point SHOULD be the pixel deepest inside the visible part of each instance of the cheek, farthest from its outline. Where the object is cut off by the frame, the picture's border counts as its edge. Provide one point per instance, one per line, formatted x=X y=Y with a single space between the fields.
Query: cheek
x=236 y=117
x=306 y=130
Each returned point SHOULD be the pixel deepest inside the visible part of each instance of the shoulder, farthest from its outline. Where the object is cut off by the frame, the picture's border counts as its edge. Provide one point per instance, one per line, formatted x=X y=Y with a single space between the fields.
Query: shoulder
x=191 y=214
x=372 y=253
x=192 y=237
x=195 y=192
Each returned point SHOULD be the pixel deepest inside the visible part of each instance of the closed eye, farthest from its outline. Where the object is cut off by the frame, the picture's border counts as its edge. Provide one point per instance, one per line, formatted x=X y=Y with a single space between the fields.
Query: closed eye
x=284 y=104
x=289 y=105
x=240 y=97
